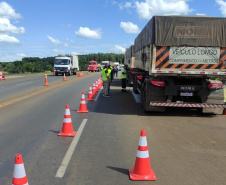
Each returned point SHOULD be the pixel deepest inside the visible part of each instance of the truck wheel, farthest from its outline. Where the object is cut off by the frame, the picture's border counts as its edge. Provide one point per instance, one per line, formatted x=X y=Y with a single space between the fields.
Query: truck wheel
x=135 y=86
x=56 y=74
x=69 y=73
x=143 y=99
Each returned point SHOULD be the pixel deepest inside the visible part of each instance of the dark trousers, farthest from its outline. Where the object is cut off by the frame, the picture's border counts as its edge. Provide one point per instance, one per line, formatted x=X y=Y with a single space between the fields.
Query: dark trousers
x=123 y=83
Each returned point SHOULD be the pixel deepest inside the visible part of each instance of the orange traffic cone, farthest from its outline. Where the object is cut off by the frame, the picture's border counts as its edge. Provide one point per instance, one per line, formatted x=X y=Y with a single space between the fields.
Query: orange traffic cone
x=88 y=73
x=67 y=129
x=94 y=88
x=54 y=72
x=142 y=168
x=46 y=80
x=97 y=87
x=99 y=83
x=19 y=175
x=79 y=74
x=90 y=95
x=1 y=75
x=64 y=79
x=83 y=107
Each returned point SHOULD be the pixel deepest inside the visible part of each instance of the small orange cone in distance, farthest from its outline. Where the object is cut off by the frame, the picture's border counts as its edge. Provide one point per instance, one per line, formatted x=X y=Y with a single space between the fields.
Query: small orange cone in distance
x=64 y=79
x=90 y=95
x=142 y=168
x=83 y=108
x=54 y=72
x=19 y=174
x=46 y=80
x=67 y=129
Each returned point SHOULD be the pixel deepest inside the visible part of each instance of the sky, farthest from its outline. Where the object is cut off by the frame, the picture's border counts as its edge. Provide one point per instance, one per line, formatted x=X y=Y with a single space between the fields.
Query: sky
x=46 y=28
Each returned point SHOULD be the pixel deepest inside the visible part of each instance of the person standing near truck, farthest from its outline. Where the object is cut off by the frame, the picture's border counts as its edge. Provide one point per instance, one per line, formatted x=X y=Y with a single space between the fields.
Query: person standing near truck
x=105 y=75
x=123 y=78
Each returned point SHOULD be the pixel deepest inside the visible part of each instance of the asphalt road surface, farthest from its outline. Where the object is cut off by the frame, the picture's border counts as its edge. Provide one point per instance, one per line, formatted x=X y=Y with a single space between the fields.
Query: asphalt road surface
x=186 y=147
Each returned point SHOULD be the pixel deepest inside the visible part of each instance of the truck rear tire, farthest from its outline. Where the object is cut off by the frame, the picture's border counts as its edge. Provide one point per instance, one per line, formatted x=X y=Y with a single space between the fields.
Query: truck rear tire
x=56 y=74
x=135 y=86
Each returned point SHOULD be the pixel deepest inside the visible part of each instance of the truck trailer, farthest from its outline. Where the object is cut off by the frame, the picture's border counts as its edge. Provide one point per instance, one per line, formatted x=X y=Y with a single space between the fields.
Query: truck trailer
x=179 y=61
x=67 y=64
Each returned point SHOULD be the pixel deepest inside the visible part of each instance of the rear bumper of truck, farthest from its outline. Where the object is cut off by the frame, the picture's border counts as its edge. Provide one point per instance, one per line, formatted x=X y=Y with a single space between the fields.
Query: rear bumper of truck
x=207 y=108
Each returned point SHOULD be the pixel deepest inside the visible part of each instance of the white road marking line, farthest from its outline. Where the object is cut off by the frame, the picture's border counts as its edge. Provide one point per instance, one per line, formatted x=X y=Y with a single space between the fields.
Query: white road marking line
x=24 y=83
x=67 y=157
x=98 y=94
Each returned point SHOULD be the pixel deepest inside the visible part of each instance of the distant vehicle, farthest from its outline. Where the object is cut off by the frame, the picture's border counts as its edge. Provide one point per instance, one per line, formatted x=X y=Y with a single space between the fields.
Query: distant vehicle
x=93 y=66
x=116 y=64
x=67 y=64
x=120 y=67
x=104 y=63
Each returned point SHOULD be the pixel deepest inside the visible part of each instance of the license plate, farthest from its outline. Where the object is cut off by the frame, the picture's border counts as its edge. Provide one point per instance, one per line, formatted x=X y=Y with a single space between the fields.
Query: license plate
x=186 y=93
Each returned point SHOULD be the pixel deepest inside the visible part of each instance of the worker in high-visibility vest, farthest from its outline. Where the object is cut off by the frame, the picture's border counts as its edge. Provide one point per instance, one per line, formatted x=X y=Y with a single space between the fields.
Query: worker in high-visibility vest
x=123 y=78
x=106 y=77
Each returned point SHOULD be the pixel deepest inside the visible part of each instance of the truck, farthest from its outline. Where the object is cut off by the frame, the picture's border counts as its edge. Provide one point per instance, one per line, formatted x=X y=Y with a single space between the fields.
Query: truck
x=93 y=66
x=104 y=63
x=67 y=64
x=179 y=61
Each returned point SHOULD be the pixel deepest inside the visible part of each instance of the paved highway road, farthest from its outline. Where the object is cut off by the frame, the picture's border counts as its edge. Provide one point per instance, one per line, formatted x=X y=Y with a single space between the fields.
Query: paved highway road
x=185 y=147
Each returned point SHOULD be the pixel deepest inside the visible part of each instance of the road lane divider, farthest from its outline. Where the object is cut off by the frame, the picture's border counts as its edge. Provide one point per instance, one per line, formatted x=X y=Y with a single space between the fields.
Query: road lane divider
x=45 y=89
x=61 y=171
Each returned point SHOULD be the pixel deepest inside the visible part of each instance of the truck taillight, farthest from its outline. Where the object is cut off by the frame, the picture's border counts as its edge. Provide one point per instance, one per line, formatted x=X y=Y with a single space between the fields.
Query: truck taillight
x=158 y=83
x=214 y=85
x=139 y=77
x=132 y=72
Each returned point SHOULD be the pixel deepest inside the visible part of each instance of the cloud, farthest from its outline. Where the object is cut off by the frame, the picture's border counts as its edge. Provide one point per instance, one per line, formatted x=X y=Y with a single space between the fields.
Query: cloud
x=118 y=49
x=6 y=27
x=6 y=11
x=150 y=8
x=222 y=7
x=56 y=41
x=88 y=33
x=129 y=27
x=20 y=55
x=202 y=14
x=126 y=5
x=8 y=39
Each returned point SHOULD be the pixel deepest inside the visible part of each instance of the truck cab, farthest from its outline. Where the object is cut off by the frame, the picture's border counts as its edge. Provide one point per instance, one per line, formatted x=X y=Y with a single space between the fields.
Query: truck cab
x=93 y=66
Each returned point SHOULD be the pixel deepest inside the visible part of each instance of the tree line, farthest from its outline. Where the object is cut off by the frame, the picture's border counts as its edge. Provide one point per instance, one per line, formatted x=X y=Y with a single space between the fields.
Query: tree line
x=37 y=65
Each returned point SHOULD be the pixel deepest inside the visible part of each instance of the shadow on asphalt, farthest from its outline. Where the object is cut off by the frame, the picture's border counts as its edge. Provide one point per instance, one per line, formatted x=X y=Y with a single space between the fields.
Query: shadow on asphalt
x=120 y=103
x=121 y=170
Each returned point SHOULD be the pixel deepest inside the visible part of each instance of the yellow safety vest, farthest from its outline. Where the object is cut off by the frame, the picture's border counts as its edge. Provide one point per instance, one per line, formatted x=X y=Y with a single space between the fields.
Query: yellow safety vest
x=104 y=77
x=123 y=75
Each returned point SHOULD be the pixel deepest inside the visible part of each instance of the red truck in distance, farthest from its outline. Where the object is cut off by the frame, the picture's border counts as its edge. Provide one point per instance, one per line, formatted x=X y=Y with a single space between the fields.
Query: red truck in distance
x=94 y=67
